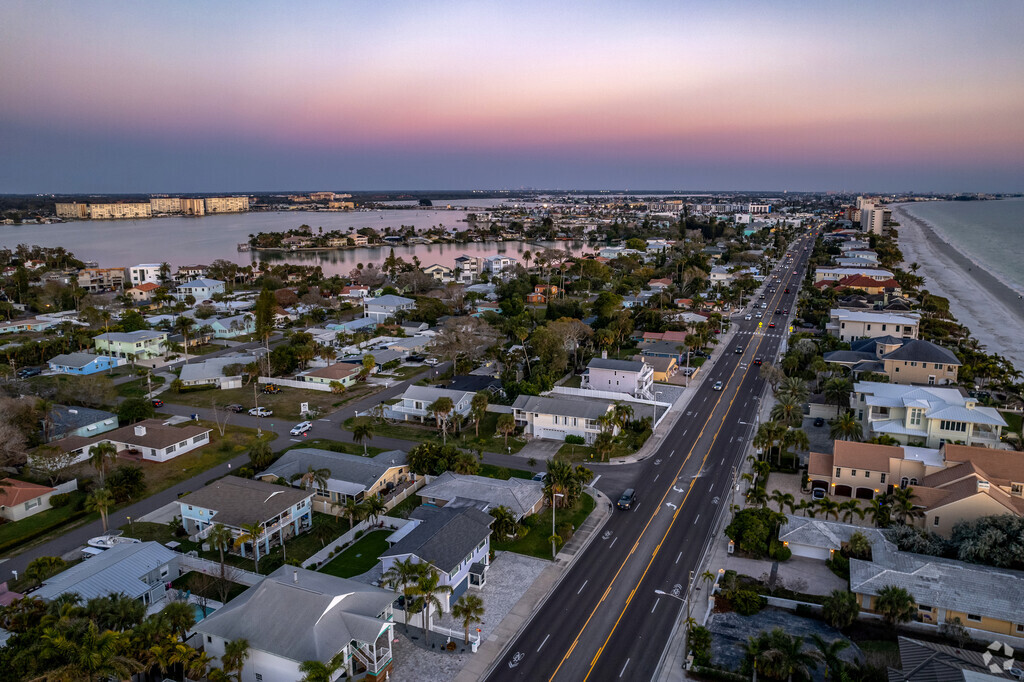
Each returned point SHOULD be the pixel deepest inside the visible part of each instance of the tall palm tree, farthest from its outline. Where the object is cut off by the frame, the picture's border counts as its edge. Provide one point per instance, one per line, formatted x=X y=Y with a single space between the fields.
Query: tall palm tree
x=849 y=509
x=428 y=588
x=792 y=387
x=828 y=507
x=478 y=408
x=182 y=324
x=505 y=523
x=317 y=671
x=469 y=609
x=506 y=426
x=235 y=653
x=313 y=478
x=442 y=409
x=837 y=391
x=895 y=605
x=86 y=653
x=786 y=657
x=846 y=427
x=99 y=454
x=768 y=434
x=829 y=652
x=100 y=500
x=251 y=532
x=375 y=507
x=840 y=608
x=787 y=411
x=361 y=433
x=796 y=439
x=180 y=616
x=783 y=500
x=354 y=510
x=901 y=503
x=403 y=576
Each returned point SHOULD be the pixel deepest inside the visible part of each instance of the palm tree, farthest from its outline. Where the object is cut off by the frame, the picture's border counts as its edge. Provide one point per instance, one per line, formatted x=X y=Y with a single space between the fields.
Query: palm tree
x=251 y=532
x=828 y=652
x=313 y=478
x=783 y=500
x=895 y=605
x=470 y=609
x=442 y=409
x=828 y=507
x=792 y=387
x=361 y=433
x=181 y=325
x=354 y=510
x=100 y=500
x=768 y=434
x=787 y=411
x=845 y=427
x=478 y=408
x=199 y=665
x=785 y=657
x=180 y=616
x=621 y=414
x=86 y=653
x=849 y=509
x=901 y=504
x=375 y=506
x=506 y=425
x=316 y=671
x=505 y=523
x=235 y=653
x=603 y=445
x=837 y=391
x=840 y=608
x=220 y=539
x=428 y=587
x=403 y=576
x=99 y=454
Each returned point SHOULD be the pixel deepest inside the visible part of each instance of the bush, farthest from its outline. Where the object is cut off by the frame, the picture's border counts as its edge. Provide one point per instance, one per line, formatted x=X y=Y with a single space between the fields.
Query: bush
x=778 y=551
x=839 y=565
x=746 y=602
x=575 y=440
x=358 y=534
x=751 y=529
x=804 y=610
x=60 y=500
x=700 y=645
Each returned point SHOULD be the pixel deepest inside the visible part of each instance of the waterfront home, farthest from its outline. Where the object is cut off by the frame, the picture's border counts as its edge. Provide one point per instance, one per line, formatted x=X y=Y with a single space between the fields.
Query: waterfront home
x=520 y=496
x=866 y=284
x=211 y=373
x=454 y=541
x=442 y=273
x=294 y=615
x=19 y=499
x=416 y=400
x=199 y=289
x=904 y=361
x=834 y=274
x=95 y=280
x=149 y=439
x=500 y=266
x=849 y=325
x=144 y=272
x=351 y=476
x=143 y=293
x=81 y=364
x=139 y=570
x=467 y=269
x=279 y=511
x=188 y=272
x=924 y=415
x=951 y=484
x=385 y=307
x=142 y=344
x=555 y=418
x=355 y=291
x=344 y=373
x=632 y=377
x=65 y=421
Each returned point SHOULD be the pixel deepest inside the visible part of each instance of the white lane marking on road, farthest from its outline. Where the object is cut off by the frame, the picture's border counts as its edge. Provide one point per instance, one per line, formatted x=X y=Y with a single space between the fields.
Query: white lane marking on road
x=674 y=452
x=596 y=479
x=656 y=602
x=696 y=518
x=324 y=420
x=669 y=504
x=636 y=507
x=612 y=544
x=656 y=477
x=623 y=671
x=543 y=643
x=295 y=440
x=679 y=557
x=581 y=587
x=711 y=487
x=678 y=490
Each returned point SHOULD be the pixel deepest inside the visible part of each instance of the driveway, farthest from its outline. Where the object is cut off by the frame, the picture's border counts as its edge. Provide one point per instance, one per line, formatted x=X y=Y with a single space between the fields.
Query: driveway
x=540 y=449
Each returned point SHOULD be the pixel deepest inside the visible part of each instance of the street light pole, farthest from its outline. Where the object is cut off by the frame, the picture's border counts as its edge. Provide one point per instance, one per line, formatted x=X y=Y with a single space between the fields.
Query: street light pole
x=553 y=496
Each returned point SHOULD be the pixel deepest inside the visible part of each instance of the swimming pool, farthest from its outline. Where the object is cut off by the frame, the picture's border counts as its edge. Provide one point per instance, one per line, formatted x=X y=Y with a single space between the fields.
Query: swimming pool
x=199 y=611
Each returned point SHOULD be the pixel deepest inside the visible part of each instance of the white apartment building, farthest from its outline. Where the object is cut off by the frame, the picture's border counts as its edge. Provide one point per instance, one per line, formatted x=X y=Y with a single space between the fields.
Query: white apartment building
x=833 y=274
x=874 y=219
x=178 y=205
x=120 y=211
x=756 y=209
x=850 y=325
x=72 y=211
x=226 y=204
x=144 y=272
x=927 y=416
x=632 y=377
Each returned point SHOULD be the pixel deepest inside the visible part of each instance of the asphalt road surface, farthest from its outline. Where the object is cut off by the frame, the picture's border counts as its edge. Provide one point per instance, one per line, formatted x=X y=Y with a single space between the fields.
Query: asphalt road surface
x=605 y=621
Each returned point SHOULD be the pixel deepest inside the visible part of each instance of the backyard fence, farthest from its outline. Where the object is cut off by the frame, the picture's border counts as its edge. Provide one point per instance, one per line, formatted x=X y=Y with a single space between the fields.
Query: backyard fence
x=347 y=537
x=237 y=575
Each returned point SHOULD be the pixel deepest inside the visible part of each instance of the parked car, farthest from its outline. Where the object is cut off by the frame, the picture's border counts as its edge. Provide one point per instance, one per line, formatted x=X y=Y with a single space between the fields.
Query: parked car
x=541 y=476
x=717 y=386
x=627 y=499
x=820 y=421
x=26 y=372
x=747 y=316
x=818 y=494
x=433 y=362
x=234 y=407
x=260 y=412
x=301 y=429
x=271 y=388
x=157 y=402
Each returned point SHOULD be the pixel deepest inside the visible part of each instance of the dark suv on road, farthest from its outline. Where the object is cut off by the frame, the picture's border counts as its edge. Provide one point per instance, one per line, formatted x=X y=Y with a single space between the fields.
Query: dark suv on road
x=627 y=500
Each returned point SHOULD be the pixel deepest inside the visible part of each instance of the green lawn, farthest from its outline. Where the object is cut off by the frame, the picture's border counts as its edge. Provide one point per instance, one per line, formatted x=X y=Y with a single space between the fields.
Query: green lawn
x=491 y=471
x=536 y=542
x=405 y=507
x=574 y=381
x=190 y=582
x=285 y=404
x=337 y=446
x=585 y=453
x=406 y=372
x=360 y=557
x=19 y=532
x=137 y=388
x=1013 y=421
x=489 y=441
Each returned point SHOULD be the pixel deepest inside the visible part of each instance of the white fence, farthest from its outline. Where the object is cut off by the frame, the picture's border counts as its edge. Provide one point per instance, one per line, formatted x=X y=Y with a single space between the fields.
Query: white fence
x=237 y=575
x=364 y=526
x=292 y=383
x=66 y=487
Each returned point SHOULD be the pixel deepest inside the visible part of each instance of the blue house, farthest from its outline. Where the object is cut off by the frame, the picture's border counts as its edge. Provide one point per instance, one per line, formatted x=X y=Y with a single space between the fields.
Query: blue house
x=230 y=327
x=82 y=363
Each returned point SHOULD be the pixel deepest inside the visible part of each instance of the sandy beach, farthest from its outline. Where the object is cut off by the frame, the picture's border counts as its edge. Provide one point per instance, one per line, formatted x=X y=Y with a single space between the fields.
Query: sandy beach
x=991 y=310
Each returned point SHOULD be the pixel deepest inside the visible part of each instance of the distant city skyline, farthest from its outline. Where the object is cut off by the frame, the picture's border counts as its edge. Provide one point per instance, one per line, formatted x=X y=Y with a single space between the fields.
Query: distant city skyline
x=112 y=97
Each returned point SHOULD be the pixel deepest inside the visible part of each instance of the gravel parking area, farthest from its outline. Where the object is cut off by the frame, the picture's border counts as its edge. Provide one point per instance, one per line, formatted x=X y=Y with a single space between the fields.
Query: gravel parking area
x=730 y=633
x=508 y=578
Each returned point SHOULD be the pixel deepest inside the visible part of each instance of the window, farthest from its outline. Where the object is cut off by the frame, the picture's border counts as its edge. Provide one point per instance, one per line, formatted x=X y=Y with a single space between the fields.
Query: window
x=1017 y=489
x=839 y=471
x=881 y=478
x=948 y=425
x=853 y=472
x=1020 y=627
x=209 y=640
x=913 y=364
x=924 y=608
x=913 y=481
x=32 y=504
x=915 y=416
x=974 y=617
x=935 y=521
x=867 y=474
x=883 y=327
x=904 y=482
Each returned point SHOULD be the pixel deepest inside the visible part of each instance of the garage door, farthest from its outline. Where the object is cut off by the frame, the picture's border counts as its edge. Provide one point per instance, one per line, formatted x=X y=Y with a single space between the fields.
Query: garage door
x=553 y=434
x=808 y=551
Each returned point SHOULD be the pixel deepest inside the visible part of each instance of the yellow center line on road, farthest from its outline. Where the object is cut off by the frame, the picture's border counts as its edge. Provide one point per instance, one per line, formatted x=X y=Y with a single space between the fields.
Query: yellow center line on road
x=647 y=525
x=600 y=650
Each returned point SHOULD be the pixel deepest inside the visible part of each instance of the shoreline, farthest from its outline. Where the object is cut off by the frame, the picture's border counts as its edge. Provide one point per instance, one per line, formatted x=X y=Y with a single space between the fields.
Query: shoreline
x=968 y=286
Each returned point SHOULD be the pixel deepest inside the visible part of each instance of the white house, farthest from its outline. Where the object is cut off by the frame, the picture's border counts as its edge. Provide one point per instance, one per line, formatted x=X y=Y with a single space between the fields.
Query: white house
x=199 y=289
x=19 y=499
x=417 y=399
x=850 y=325
x=211 y=373
x=556 y=418
x=499 y=265
x=384 y=307
x=633 y=377
x=442 y=273
x=834 y=274
x=150 y=439
x=144 y=272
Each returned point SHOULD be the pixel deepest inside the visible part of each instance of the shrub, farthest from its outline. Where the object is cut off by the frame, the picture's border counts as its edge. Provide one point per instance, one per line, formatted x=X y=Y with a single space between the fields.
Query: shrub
x=358 y=534
x=60 y=500
x=700 y=645
x=778 y=551
x=839 y=565
x=804 y=610
x=575 y=440
x=746 y=602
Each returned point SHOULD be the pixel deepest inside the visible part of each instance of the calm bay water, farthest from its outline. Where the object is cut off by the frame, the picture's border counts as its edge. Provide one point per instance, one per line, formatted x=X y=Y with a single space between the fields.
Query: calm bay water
x=185 y=241
x=990 y=233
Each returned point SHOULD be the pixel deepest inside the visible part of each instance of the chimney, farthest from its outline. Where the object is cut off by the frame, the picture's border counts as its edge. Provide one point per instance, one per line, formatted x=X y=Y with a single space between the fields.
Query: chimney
x=140 y=430
x=295 y=576
x=604 y=355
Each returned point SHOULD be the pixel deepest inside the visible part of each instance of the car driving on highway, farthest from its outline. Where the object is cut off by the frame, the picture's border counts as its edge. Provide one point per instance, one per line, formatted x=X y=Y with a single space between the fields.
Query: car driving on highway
x=627 y=499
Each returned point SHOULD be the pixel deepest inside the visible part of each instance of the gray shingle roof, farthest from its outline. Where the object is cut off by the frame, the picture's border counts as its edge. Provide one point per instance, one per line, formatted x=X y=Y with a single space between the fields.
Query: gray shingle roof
x=131 y=337
x=308 y=619
x=77 y=360
x=70 y=418
x=520 y=496
x=923 y=351
x=238 y=501
x=445 y=536
x=117 y=569
x=928 y=662
x=364 y=471
x=586 y=409
x=620 y=365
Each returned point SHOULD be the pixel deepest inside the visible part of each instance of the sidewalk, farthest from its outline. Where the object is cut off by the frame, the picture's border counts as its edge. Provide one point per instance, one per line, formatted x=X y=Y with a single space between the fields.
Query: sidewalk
x=493 y=647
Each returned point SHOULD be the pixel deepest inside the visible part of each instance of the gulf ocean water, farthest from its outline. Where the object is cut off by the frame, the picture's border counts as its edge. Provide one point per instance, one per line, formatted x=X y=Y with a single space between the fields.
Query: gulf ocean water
x=990 y=233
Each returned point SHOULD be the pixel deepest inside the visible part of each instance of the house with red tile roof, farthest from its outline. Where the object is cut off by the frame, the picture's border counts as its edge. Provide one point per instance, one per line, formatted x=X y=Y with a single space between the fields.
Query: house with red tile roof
x=19 y=499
